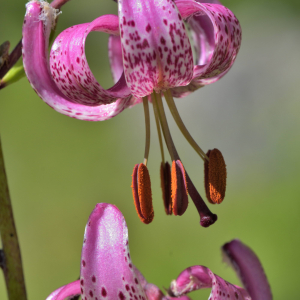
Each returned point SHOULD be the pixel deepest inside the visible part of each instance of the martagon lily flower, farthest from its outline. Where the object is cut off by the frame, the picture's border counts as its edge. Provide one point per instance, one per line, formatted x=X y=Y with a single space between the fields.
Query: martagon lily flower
x=107 y=272
x=151 y=56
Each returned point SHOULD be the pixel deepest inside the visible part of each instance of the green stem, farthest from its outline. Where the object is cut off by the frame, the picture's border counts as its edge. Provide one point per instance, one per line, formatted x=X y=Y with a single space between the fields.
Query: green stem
x=12 y=264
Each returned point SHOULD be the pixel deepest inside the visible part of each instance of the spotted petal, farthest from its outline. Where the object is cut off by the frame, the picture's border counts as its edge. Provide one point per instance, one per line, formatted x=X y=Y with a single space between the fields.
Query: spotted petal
x=217 y=37
x=106 y=267
x=156 y=50
x=199 y=277
x=36 y=30
x=249 y=269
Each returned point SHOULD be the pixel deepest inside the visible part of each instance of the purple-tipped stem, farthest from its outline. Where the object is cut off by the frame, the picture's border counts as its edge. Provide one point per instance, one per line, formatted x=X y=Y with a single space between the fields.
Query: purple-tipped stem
x=207 y=218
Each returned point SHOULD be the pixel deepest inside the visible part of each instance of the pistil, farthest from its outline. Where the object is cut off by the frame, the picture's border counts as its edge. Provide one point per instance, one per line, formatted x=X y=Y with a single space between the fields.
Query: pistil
x=207 y=218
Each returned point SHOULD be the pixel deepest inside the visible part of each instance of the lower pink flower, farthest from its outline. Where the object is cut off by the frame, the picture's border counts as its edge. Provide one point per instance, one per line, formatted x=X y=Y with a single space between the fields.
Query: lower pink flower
x=107 y=272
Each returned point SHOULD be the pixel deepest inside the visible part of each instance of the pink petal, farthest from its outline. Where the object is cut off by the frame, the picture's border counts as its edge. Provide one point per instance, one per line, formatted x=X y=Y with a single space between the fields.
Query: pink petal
x=53 y=295
x=156 y=50
x=199 y=277
x=70 y=290
x=151 y=290
x=115 y=56
x=36 y=30
x=70 y=69
x=106 y=268
x=249 y=269
x=217 y=36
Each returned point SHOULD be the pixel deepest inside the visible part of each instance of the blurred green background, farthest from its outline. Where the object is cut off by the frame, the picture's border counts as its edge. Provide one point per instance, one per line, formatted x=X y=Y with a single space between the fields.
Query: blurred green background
x=59 y=168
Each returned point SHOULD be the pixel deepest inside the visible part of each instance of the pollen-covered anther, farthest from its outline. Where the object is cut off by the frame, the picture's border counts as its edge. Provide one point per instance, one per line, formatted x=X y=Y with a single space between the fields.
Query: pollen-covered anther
x=142 y=195
x=215 y=176
x=179 y=188
x=165 y=182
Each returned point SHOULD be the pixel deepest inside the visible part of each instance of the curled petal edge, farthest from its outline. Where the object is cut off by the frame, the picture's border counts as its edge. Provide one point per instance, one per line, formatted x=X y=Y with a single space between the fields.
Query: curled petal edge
x=36 y=31
x=215 y=58
x=70 y=290
x=248 y=268
x=199 y=277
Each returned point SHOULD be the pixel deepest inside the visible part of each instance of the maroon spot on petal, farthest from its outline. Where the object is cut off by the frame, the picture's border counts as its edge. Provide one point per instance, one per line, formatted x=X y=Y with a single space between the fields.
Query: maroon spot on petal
x=136 y=281
x=83 y=263
x=133 y=289
x=103 y=292
x=165 y=21
x=148 y=28
x=94 y=278
x=78 y=60
x=127 y=287
x=130 y=265
x=81 y=291
x=121 y=296
x=162 y=40
x=91 y=294
x=226 y=29
x=236 y=295
x=81 y=282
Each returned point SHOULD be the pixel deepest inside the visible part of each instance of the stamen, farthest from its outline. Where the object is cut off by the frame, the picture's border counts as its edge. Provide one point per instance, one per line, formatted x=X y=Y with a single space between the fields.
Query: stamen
x=207 y=218
x=158 y=128
x=215 y=176
x=147 y=128
x=165 y=126
x=165 y=182
x=142 y=195
x=179 y=189
x=180 y=124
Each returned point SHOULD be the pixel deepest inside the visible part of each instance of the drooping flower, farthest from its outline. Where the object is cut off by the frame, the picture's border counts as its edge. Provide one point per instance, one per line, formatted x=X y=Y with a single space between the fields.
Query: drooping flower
x=150 y=56
x=107 y=272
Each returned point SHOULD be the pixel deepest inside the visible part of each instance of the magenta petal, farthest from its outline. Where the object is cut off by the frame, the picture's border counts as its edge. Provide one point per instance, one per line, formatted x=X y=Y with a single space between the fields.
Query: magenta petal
x=156 y=50
x=199 y=277
x=217 y=37
x=115 y=56
x=249 y=269
x=106 y=268
x=53 y=295
x=70 y=69
x=36 y=30
x=70 y=290
x=153 y=292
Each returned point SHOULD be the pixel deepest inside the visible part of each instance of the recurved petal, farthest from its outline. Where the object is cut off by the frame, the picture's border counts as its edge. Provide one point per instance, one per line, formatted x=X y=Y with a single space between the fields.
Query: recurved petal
x=115 y=56
x=70 y=290
x=249 y=269
x=156 y=50
x=106 y=268
x=216 y=34
x=199 y=277
x=70 y=69
x=36 y=31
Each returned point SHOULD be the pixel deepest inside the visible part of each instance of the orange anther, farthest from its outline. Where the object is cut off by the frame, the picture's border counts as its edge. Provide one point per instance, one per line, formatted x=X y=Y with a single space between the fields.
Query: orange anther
x=215 y=176
x=165 y=183
x=142 y=195
x=179 y=188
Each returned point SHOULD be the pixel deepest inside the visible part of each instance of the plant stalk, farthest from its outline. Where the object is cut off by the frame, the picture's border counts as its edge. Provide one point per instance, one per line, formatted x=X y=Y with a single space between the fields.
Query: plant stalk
x=11 y=258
